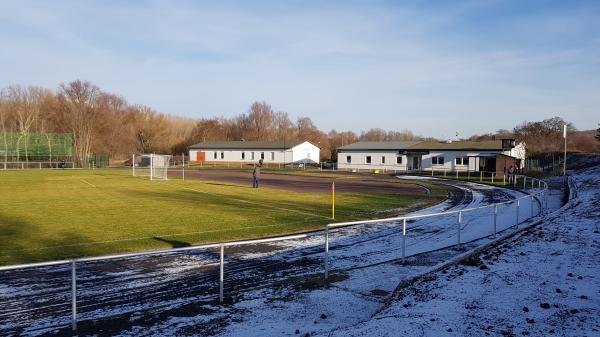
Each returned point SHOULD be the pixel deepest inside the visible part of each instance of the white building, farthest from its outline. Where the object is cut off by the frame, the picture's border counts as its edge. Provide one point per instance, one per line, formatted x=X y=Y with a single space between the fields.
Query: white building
x=277 y=152
x=491 y=156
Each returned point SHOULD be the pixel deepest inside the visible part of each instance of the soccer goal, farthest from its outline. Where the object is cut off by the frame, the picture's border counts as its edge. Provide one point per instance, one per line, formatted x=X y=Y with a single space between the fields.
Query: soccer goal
x=155 y=166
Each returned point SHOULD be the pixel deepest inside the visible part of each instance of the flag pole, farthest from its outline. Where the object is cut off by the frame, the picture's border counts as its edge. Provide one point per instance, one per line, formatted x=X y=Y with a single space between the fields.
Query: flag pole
x=565 y=158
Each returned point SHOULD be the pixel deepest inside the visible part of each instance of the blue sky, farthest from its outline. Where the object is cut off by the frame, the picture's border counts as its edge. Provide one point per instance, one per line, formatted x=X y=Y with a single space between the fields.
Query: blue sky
x=435 y=67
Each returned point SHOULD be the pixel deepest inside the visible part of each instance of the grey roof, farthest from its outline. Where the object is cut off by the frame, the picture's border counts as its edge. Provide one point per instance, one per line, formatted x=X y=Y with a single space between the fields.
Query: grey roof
x=494 y=145
x=490 y=145
x=246 y=145
x=384 y=145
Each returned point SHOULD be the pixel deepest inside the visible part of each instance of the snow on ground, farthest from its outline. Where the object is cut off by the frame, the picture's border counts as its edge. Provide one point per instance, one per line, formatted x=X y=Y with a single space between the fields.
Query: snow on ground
x=543 y=282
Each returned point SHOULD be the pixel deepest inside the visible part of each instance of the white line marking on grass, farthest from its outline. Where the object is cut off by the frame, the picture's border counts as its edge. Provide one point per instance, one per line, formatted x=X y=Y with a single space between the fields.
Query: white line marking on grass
x=85 y=181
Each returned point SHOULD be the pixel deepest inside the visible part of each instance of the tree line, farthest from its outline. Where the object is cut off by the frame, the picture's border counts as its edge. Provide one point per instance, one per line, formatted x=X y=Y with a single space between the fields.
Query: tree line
x=546 y=137
x=105 y=123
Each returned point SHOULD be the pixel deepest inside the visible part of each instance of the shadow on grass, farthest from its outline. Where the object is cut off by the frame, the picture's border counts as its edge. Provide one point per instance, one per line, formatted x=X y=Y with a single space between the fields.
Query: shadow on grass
x=173 y=243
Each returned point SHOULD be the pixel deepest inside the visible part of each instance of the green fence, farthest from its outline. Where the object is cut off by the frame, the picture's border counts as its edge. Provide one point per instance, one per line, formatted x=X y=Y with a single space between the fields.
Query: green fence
x=36 y=146
x=98 y=160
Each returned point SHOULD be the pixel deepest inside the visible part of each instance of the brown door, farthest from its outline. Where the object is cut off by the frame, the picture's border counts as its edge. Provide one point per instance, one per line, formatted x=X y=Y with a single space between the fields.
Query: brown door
x=201 y=157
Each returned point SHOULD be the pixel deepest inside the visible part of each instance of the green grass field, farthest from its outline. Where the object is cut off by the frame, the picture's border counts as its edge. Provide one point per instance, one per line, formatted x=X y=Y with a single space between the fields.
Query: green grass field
x=49 y=215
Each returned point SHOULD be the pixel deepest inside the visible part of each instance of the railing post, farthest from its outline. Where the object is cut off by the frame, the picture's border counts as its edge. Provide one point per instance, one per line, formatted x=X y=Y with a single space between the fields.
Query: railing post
x=480 y=176
x=517 y=217
x=73 y=297
x=532 y=181
x=459 y=220
x=403 y=238
x=515 y=181
x=495 y=219
x=524 y=182
x=326 y=252
x=504 y=179
x=532 y=199
x=456 y=174
x=221 y=272
x=432 y=171
x=493 y=174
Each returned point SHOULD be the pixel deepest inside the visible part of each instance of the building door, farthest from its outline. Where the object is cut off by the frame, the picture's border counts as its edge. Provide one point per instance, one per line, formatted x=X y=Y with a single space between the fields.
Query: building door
x=201 y=157
x=416 y=163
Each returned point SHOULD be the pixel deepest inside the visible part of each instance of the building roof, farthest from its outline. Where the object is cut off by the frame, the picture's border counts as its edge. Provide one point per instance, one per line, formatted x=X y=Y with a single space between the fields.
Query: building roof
x=493 y=145
x=246 y=145
x=488 y=145
x=385 y=145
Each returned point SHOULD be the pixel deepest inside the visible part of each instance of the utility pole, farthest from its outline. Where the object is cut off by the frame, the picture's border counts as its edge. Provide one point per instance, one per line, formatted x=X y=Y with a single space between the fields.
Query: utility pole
x=565 y=158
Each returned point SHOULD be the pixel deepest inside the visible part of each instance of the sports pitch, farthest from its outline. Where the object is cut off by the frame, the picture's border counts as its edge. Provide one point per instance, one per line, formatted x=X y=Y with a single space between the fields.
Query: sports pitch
x=49 y=215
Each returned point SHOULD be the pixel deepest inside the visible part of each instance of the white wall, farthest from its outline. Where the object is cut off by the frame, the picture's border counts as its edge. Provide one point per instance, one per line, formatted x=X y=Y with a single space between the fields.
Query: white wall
x=236 y=155
x=306 y=151
x=359 y=160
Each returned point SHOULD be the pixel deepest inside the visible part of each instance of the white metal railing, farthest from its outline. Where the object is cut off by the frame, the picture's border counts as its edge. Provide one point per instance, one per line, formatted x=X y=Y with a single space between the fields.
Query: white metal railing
x=539 y=195
x=21 y=165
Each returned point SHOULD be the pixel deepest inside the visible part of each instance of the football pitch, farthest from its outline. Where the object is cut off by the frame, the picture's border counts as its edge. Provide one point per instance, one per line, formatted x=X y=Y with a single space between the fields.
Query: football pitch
x=49 y=215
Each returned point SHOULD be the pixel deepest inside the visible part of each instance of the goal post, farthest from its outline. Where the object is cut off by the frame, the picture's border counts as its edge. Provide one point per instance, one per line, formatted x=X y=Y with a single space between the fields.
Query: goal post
x=155 y=166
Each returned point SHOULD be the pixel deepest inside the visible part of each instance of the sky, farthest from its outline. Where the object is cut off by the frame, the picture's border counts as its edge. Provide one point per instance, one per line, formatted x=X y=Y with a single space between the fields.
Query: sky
x=434 y=67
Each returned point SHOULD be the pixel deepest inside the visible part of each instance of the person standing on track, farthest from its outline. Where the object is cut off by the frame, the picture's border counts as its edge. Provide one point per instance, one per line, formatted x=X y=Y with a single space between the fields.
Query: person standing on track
x=256 y=174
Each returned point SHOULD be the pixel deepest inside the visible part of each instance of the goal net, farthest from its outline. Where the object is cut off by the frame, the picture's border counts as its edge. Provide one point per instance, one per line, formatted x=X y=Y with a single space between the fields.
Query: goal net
x=155 y=166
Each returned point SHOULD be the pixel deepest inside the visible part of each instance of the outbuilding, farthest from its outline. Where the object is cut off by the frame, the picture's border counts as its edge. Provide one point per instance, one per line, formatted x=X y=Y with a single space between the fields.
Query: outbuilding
x=275 y=152
x=491 y=156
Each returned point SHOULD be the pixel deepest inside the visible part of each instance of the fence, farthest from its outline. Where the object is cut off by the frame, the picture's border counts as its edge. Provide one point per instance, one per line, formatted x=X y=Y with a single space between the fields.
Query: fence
x=539 y=195
x=22 y=165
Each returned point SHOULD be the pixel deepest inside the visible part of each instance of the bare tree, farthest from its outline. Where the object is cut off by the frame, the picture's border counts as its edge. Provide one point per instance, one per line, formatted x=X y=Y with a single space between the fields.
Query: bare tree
x=79 y=106
x=261 y=118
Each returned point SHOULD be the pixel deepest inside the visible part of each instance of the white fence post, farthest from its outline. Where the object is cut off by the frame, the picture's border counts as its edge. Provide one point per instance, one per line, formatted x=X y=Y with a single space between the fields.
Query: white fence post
x=495 y=219
x=73 y=297
x=532 y=199
x=524 y=182
x=326 y=252
x=403 y=238
x=493 y=174
x=481 y=176
x=221 y=273
x=459 y=220
x=517 y=217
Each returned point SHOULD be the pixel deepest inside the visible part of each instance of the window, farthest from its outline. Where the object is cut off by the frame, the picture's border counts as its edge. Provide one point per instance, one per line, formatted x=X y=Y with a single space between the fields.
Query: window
x=399 y=160
x=437 y=160
x=243 y=155
x=368 y=159
x=262 y=155
x=214 y=155
x=382 y=159
x=252 y=155
x=348 y=159
x=222 y=155
x=462 y=161
x=272 y=156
